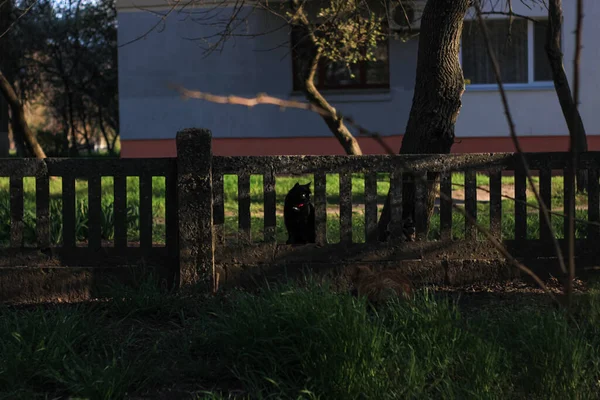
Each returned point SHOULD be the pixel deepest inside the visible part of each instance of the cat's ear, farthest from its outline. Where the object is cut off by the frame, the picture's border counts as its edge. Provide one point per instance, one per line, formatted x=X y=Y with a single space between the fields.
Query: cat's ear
x=308 y=184
x=297 y=184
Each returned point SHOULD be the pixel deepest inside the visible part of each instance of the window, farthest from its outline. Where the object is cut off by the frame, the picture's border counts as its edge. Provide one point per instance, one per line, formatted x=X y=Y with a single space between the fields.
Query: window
x=337 y=75
x=519 y=50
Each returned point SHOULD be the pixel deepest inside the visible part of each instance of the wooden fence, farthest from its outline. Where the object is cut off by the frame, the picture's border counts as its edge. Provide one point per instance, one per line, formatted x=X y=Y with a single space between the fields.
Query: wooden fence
x=196 y=250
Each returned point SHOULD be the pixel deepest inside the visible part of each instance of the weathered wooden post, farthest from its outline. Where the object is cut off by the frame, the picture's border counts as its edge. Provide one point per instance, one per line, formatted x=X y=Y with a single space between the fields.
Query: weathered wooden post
x=195 y=200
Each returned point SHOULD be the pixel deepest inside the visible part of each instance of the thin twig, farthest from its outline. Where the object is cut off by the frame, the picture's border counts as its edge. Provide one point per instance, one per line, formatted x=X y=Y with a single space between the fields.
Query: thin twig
x=574 y=154
x=514 y=137
x=162 y=19
x=18 y=18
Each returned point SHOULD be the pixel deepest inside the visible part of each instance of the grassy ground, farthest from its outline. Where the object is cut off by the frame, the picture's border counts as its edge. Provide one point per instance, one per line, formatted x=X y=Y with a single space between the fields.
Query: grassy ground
x=283 y=184
x=299 y=341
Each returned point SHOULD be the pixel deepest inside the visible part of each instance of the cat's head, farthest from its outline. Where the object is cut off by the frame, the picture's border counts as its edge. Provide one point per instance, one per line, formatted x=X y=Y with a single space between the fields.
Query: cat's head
x=299 y=196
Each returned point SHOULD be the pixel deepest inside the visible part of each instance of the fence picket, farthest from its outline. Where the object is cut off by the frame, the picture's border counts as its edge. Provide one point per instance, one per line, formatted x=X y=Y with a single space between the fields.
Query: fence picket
x=345 y=208
x=95 y=212
x=421 y=184
x=520 y=204
x=42 y=210
x=569 y=194
x=171 y=216
x=546 y=197
x=145 y=211
x=16 y=211
x=244 y=207
x=396 y=225
x=446 y=205
x=593 y=205
x=218 y=208
x=371 y=207
x=120 y=210
x=68 y=211
x=470 y=203
x=320 y=204
x=270 y=218
x=496 y=204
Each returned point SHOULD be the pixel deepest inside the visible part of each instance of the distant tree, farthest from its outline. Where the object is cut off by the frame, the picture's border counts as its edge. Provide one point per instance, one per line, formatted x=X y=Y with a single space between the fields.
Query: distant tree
x=76 y=55
x=63 y=54
x=12 y=75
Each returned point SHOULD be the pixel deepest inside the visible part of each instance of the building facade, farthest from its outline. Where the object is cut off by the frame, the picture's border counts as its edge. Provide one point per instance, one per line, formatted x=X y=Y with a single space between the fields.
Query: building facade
x=163 y=45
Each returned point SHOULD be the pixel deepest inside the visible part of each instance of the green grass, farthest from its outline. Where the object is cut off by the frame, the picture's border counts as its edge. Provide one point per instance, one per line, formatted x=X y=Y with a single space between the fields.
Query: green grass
x=299 y=341
x=283 y=184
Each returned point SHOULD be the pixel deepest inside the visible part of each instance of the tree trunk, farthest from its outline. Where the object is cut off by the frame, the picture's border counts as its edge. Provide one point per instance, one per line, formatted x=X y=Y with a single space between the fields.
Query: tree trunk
x=334 y=122
x=436 y=102
x=561 y=85
x=19 y=123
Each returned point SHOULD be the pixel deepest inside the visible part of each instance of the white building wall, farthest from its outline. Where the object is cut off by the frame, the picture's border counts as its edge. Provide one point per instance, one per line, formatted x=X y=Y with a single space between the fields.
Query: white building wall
x=149 y=109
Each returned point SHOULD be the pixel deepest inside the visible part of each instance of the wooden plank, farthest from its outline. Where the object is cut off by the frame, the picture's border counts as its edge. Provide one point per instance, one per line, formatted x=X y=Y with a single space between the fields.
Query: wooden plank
x=496 y=204
x=336 y=254
x=371 y=207
x=270 y=218
x=42 y=210
x=68 y=211
x=520 y=204
x=120 y=210
x=569 y=196
x=244 y=207
x=546 y=197
x=218 y=208
x=321 y=208
x=420 y=203
x=21 y=167
x=389 y=163
x=470 y=203
x=86 y=167
x=16 y=211
x=593 y=205
x=95 y=212
x=172 y=217
x=345 y=208
x=396 y=225
x=446 y=205
x=145 y=211
x=82 y=257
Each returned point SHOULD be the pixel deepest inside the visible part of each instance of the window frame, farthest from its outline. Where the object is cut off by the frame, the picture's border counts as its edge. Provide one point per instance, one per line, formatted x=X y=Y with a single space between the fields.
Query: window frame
x=531 y=83
x=321 y=69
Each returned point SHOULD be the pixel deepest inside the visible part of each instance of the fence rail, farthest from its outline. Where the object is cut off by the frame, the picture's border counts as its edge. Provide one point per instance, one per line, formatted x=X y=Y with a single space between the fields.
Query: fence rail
x=197 y=244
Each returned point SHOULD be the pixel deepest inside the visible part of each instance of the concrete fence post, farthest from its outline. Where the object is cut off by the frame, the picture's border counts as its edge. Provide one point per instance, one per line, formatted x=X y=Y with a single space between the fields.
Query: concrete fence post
x=195 y=204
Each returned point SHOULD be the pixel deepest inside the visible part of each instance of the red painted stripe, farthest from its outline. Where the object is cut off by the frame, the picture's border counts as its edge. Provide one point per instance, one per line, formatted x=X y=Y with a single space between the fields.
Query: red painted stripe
x=330 y=146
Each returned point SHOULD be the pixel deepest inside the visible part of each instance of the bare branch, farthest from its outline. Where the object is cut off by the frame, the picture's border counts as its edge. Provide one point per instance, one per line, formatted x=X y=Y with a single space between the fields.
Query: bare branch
x=574 y=153
x=513 y=135
x=18 y=18
x=511 y=14
x=162 y=19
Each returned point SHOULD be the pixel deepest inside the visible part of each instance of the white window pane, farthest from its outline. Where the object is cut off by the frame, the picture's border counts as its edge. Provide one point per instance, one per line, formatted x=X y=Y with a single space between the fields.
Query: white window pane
x=509 y=43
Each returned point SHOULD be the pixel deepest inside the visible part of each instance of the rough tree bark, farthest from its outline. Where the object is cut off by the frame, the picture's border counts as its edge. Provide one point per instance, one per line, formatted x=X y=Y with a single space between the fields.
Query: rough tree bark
x=18 y=121
x=334 y=122
x=561 y=84
x=436 y=101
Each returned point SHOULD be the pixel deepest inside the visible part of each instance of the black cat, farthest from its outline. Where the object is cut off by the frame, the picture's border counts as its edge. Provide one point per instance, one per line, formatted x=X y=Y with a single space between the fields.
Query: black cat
x=299 y=215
